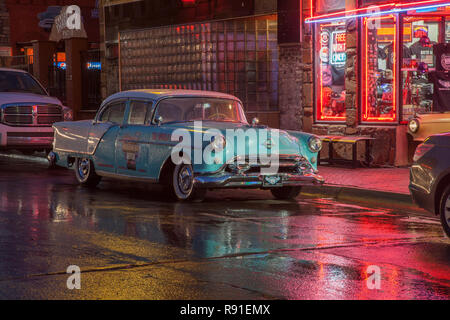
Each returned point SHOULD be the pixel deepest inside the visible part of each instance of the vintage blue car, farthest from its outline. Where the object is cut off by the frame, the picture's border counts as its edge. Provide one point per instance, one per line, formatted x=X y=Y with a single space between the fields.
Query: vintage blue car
x=188 y=141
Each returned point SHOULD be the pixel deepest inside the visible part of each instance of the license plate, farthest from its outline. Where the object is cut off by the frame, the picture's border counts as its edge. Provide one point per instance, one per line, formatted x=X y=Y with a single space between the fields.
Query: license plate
x=272 y=181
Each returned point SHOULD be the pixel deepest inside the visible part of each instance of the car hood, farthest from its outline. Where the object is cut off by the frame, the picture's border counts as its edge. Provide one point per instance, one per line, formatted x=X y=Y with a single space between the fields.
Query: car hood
x=21 y=97
x=428 y=118
x=285 y=144
x=442 y=139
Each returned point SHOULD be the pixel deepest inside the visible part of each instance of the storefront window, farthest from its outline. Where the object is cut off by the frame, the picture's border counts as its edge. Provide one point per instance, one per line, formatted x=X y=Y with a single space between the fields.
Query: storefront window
x=425 y=65
x=447 y=32
x=330 y=78
x=419 y=36
x=379 y=75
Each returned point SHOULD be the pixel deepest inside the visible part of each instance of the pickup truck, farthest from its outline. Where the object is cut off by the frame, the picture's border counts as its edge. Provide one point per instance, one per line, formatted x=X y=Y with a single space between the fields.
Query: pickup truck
x=27 y=112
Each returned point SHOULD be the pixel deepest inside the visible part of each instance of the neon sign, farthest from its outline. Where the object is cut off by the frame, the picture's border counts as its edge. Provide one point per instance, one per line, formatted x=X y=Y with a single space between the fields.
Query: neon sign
x=370 y=76
x=94 y=65
x=332 y=53
x=338 y=47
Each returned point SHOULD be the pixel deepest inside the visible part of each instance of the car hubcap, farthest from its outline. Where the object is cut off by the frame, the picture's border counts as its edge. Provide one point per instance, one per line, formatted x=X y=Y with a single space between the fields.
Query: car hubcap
x=447 y=211
x=83 y=168
x=185 y=179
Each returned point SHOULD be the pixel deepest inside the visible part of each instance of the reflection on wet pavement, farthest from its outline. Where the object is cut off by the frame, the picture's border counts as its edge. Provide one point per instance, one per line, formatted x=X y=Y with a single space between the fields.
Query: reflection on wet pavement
x=131 y=243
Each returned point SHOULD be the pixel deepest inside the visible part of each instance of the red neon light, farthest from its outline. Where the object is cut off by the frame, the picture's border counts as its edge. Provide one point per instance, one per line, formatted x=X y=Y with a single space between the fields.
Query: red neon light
x=321 y=115
x=365 y=106
x=188 y=3
x=341 y=37
x=393 y=5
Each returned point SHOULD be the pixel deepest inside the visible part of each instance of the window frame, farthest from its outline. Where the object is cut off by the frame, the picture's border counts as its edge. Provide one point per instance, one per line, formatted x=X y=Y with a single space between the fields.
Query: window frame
x=316 y=84
x=109 y=105
x=157 y=105
x=148 y=119
x=397 y=76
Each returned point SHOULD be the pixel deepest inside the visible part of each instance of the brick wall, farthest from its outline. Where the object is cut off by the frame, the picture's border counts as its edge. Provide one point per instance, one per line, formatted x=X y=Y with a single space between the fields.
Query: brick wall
x=4 y=25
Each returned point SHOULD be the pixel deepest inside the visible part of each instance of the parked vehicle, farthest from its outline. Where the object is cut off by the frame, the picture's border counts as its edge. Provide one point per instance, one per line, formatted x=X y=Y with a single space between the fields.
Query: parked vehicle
x=430 y=177
x=27 y=112
x=424 y=125
x=132 y=137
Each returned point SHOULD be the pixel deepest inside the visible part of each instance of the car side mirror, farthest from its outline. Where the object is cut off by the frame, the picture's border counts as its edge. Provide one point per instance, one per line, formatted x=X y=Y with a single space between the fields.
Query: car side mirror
x=158 y=120
x=255 y=122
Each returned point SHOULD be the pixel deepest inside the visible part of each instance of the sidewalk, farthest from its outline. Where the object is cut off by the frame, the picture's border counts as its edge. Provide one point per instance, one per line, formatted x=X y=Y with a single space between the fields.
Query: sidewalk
x=394 y=180
x=382 y=186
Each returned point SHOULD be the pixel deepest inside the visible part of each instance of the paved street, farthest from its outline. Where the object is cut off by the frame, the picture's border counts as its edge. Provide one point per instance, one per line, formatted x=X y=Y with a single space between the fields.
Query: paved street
x=131 y=243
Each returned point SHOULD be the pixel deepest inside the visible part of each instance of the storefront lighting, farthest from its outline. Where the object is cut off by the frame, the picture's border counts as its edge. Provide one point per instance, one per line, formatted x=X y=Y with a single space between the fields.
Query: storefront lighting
x=365 y=111
x=383 y=10
x=321 y=115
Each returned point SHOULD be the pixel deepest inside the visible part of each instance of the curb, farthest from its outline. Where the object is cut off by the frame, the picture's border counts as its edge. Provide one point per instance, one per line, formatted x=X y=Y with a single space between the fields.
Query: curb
x=35 y=158
x=354 y=194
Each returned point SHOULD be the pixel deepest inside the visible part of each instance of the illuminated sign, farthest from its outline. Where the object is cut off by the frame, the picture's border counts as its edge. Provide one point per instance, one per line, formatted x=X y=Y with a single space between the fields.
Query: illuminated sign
x=94 y=65
x=338 y=47
x=61 y=65
x=420 y=31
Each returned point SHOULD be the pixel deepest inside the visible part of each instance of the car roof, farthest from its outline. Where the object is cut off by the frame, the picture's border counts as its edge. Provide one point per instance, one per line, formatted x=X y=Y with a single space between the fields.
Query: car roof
x=158 y=94
x=13 y=70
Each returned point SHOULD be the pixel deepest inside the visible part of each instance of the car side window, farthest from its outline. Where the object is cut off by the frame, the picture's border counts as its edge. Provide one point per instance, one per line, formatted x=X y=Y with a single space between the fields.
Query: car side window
x=113 y=113
x=168 y=111
x=138 y=112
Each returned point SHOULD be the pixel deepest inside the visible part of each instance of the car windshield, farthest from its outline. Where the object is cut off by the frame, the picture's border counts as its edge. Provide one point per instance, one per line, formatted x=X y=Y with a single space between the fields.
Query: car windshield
x=11 y=81
x=200 y=109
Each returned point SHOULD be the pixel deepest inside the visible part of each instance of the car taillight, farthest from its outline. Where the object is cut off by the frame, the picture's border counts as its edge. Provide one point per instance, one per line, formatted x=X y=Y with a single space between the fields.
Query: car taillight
x=421 y=150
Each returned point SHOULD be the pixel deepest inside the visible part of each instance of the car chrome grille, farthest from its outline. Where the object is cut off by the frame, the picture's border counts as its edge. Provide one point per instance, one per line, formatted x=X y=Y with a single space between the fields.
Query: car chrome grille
x=48 y=119
x=251 y=164
x=18 y=119
x=31 y=115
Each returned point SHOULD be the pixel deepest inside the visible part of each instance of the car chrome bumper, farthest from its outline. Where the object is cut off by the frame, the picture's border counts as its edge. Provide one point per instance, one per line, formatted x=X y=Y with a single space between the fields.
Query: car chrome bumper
x=227 y=180
x=26 y=137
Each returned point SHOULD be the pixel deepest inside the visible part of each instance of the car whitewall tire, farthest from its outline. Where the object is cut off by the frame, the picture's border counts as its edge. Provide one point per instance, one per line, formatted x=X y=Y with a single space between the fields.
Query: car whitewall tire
x=85 y=172
x=182 y=184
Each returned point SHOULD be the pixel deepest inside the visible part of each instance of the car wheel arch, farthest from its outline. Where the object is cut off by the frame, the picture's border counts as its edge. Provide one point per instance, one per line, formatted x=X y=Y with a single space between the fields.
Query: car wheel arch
x=167 y=168
x=440 y=187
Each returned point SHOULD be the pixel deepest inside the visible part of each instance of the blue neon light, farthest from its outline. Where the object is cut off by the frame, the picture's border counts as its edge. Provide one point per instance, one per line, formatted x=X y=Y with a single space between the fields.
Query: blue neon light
x=94 y=65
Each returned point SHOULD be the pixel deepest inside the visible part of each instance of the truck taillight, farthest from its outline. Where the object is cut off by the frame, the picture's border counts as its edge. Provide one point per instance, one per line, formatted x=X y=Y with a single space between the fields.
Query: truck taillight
x=421 y=150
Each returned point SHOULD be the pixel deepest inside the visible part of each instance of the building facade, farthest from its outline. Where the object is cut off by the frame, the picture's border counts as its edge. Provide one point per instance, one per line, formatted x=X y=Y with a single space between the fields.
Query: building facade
x=229 y=46
x=371 y=69
x=31 y=20
x=326 y=67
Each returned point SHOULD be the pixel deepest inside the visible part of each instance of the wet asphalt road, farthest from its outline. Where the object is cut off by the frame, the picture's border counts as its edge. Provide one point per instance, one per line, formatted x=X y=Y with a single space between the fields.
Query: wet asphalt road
x=130 y=243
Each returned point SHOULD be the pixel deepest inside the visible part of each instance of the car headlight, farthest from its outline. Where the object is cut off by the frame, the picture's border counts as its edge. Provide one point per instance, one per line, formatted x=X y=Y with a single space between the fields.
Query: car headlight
x=413 y=125
x=218 y=142
x=314 y=144
x=68 y=114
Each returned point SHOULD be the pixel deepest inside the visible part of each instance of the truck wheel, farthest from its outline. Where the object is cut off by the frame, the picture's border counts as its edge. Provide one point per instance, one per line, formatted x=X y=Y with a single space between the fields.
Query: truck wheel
x=445 y=210
x=181 y=184
x=286 y=193
x=85 y=172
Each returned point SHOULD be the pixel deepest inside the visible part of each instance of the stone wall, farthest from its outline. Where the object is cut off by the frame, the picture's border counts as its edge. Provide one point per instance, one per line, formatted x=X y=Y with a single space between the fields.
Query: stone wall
x=290 y=76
